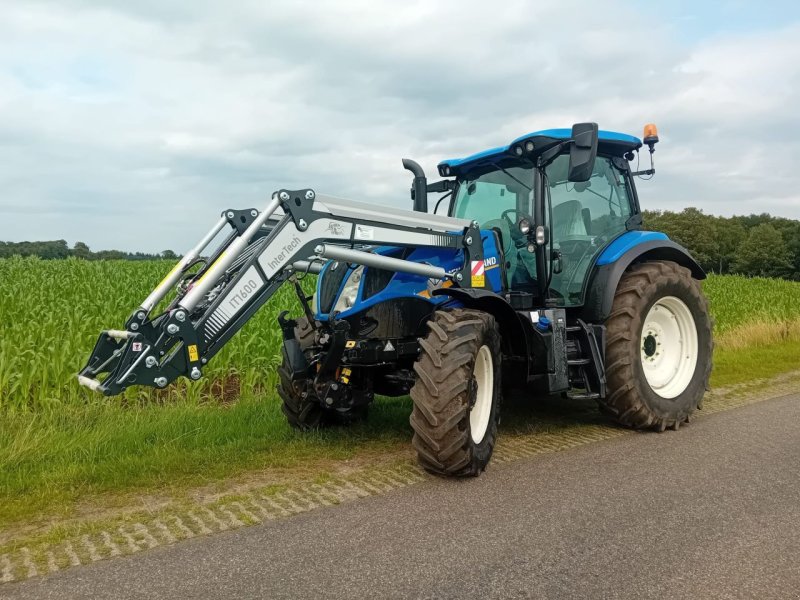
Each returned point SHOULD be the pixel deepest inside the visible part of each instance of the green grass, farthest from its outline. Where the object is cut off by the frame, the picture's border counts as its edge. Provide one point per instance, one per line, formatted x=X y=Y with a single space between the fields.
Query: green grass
x=62 y=448
x=51 y=460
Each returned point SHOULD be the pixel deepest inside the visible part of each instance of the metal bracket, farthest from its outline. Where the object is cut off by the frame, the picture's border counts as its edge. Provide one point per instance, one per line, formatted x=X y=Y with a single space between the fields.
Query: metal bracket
x=473 y=253
x=299 y=204
x=240 y=219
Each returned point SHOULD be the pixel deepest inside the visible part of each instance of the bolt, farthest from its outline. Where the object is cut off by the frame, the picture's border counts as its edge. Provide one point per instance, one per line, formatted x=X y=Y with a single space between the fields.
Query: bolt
x=134 y=326
x=254 y=213
x=302 y=224
x=329 y=401
x=195 y=373
x=284 y=196
x=229 y=214
x=141 y=315
x=180 y=316
x=318 y=250
x=160 y=381
x=459 y=277
x=150 y=361
x=204 y=360
x=468 y=240
x=475 y=224
x=309 y=194
x=172 y=329
x=334 y=386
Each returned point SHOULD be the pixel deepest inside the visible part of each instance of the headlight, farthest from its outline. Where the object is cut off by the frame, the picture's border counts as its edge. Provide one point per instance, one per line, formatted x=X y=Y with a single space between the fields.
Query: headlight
x=347 y=298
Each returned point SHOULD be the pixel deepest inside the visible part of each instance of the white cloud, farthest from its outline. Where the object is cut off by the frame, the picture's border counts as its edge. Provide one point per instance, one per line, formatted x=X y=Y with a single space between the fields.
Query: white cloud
x=133 y=124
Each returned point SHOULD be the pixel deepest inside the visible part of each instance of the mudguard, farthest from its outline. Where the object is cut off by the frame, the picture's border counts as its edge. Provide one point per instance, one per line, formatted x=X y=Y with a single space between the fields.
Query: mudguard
x=508 y=319
x=613 y=262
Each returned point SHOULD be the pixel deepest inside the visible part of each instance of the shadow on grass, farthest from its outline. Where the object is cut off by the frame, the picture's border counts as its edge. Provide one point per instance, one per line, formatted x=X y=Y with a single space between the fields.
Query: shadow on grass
x=521 y=413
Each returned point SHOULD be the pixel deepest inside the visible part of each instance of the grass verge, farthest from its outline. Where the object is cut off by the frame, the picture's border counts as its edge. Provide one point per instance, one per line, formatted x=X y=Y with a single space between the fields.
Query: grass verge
x=80 y=460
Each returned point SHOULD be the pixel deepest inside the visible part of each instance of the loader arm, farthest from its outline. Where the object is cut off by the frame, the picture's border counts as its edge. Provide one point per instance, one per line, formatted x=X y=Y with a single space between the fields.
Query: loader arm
x=258 y=255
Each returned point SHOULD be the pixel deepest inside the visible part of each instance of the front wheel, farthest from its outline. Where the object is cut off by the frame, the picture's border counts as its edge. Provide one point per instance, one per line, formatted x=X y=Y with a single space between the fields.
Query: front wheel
x=457 y=393
x=300 y=403
x=659 y=349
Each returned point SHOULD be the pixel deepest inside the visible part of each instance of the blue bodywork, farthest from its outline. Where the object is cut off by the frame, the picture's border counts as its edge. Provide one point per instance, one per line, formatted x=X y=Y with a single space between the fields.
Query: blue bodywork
x=614 y=251
x=609 y=142
x=404 y=285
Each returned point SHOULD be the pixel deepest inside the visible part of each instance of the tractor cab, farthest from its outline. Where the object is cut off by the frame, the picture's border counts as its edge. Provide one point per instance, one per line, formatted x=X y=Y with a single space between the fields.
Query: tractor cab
x=552 y=220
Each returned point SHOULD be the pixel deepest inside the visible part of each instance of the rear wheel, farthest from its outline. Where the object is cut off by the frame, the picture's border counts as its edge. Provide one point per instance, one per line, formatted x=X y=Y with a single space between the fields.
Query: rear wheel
x=659 y=349
x=457 y=393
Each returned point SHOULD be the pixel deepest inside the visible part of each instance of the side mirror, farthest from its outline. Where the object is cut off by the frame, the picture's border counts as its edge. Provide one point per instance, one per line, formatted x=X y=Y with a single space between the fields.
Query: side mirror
x=583 y=152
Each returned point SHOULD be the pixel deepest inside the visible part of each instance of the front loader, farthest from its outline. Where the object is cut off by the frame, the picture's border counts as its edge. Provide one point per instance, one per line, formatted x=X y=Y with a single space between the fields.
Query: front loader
x=539 y=276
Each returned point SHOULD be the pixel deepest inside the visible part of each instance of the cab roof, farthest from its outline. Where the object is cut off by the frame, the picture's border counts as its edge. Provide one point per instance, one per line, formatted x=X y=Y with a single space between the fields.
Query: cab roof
x=609 y=142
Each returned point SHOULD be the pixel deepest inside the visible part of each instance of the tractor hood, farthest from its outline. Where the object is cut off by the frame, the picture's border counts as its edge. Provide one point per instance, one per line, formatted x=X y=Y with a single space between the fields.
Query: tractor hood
x=345 y=290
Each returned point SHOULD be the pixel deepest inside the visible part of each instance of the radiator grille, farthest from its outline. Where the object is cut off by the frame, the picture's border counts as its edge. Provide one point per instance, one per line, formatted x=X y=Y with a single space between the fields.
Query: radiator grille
x=330 y=284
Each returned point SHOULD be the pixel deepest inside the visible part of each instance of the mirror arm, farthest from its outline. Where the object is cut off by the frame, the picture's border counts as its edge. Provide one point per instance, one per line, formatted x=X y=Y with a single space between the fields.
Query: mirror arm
x=551 y=153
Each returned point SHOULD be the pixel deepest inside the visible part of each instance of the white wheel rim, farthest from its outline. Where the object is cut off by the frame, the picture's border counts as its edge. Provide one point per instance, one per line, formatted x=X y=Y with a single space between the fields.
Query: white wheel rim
x=668 y=347
x=482 y=409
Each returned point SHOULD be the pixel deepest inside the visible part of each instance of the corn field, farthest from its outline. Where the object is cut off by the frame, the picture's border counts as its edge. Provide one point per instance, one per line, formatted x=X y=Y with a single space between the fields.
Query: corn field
x=51 y=313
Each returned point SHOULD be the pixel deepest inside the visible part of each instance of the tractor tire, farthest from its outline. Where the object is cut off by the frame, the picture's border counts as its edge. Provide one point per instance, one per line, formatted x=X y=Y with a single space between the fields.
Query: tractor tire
x=301 y=405
x=457 y=393
x=659 y=347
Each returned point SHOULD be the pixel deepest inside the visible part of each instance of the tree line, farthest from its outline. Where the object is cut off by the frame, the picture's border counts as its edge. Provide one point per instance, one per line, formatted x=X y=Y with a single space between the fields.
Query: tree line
x=754 y=245
x=56 y=249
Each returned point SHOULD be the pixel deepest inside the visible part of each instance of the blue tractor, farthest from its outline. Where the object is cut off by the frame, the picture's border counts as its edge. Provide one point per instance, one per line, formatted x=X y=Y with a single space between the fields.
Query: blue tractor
x=533 y=272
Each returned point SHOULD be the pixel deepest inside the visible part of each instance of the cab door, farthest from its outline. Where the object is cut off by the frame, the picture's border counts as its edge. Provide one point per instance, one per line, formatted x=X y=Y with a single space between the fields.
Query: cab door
x=586 y=216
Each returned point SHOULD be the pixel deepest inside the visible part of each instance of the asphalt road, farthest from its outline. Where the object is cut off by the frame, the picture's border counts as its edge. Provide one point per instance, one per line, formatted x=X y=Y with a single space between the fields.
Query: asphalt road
x=710 y=511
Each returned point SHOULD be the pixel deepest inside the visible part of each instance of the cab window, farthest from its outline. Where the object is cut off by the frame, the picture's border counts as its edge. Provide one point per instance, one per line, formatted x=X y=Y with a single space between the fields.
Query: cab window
x=586 y=216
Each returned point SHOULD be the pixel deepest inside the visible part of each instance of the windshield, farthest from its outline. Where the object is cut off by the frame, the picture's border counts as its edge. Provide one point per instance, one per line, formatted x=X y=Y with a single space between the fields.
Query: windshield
x=486 y=197
x=497 y=200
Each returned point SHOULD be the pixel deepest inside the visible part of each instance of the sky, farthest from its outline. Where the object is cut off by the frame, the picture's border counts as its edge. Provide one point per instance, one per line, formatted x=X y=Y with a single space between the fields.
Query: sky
x=132 y=125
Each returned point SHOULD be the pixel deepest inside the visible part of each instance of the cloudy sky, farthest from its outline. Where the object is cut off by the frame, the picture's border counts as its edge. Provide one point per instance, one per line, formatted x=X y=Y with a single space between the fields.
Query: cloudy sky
x=131 y=125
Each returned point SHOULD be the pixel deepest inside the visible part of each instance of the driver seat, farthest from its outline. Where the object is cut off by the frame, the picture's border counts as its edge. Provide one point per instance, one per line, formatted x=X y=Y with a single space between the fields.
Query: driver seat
x=568 y=220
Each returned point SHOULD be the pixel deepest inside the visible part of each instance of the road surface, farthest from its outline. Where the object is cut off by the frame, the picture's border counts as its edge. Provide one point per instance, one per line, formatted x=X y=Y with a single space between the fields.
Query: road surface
x=710 y=511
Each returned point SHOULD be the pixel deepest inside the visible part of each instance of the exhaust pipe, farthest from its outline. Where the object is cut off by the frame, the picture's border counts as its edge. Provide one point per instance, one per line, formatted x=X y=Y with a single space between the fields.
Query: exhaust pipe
x=419 y=189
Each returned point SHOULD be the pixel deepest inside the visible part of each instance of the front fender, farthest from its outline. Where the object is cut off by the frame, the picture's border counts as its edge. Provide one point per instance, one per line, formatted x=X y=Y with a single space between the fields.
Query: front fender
x=607 y=273
x=515 y=340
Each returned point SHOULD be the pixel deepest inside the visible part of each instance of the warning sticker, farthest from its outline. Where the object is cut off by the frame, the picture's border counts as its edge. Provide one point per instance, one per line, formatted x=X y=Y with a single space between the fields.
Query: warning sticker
x=364 y=233
x=350 y=344
x=193 y=356
x=478 y=278
x=136 y=346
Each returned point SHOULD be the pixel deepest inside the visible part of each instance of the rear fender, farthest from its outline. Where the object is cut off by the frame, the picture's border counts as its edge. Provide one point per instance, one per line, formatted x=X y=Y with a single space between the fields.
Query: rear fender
x=606 y=276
